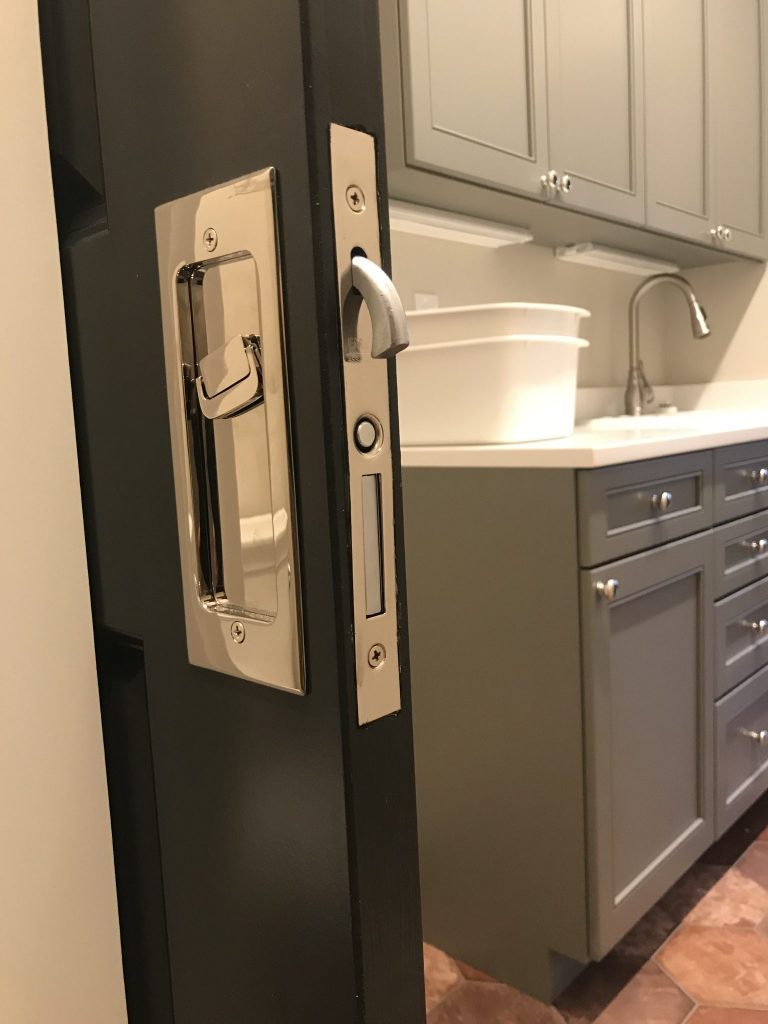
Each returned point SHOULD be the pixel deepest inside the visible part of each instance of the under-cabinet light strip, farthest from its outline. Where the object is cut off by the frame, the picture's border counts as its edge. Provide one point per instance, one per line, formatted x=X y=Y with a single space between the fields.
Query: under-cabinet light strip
x=590 y=255
x=410 y=219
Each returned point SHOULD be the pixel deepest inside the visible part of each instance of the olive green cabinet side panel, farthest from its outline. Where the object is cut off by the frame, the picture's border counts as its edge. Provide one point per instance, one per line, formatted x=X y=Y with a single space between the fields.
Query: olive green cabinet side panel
x=595 y=104
x=678 y=149
x=474 y=90
x=738 y=44
x=493 y=595
x=648 y=716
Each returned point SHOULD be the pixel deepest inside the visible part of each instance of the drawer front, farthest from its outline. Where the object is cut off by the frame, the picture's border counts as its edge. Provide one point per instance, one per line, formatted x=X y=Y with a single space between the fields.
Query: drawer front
x=741 y=636
x=741 y=480
x=741 y=749
x=741 y=553
x=623 y=509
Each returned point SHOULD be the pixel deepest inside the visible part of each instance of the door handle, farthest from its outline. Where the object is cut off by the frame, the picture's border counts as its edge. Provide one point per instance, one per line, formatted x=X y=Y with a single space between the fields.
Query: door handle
x=390 y=327
x=225 y=355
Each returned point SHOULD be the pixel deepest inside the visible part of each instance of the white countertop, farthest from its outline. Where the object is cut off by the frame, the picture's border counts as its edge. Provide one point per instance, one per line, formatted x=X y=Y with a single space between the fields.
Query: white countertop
x=604 y=444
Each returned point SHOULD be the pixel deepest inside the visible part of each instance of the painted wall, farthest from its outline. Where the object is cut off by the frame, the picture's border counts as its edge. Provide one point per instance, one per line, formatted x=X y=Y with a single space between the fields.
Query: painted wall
x=735 y=296
x=59 y=940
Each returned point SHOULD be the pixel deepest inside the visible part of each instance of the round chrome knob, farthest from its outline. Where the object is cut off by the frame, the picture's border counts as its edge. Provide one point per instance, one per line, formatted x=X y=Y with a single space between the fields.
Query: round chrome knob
x=721 y=233
x=760 y=476
x=758 y=626
x=566 y=184
x=662 y=502
x=726 y=234
x=757 y=547
x=607 y=589
x=550 y=181
x=760 y=736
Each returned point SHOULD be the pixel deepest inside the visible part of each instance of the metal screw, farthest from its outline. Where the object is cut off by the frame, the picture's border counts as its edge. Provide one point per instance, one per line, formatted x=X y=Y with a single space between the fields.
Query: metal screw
x=238 y=632
x=355 y=199
x=377 y=656
x=210 y=239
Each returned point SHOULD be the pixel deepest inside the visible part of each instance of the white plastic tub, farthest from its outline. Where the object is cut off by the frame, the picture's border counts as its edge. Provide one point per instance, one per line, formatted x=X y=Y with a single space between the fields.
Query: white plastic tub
x=489 y=390
x=499 y=319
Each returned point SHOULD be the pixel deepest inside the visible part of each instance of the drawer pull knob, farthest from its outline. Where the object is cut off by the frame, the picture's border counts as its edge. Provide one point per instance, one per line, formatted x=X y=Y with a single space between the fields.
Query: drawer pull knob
x=662 y=502
x=760 y=476
x=757 y=626
x=760 y=737
x=610 y=588
x=757 y=547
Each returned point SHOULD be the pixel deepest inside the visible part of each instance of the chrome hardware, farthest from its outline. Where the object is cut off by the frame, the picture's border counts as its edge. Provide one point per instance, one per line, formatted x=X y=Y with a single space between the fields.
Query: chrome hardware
x=550 y=182
x=638 y=389
x=566 y=184
x=228 y=404
x=366 y=350
x=757 y=626
x=759 y=476
x=721 y=233
x=608 y=589
x=662 y=502
x=760 y=737
x=757 y=547
x=355 y=198
x=390 y=327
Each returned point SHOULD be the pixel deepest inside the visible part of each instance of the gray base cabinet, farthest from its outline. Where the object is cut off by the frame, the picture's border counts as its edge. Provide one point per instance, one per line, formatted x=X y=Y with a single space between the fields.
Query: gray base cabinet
x=648 y=728
x=590 y=668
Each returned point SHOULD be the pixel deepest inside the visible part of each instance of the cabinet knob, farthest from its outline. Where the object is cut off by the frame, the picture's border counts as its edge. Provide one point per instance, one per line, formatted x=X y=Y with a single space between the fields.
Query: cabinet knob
x=759 y=476
x=721 y=233
x=757 y=547
x=608 y=590
x=550 y=182
x=757 y=626
x=760 y=737
x=566 y=184
x=662 y=502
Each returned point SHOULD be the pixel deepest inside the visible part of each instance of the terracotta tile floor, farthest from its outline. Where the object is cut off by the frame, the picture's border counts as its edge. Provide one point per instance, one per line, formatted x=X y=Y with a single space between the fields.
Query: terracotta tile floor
x=700 y=956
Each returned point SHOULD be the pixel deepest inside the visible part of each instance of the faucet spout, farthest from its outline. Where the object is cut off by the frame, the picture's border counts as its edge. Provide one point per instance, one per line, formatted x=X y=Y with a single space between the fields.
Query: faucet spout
x=639 y=392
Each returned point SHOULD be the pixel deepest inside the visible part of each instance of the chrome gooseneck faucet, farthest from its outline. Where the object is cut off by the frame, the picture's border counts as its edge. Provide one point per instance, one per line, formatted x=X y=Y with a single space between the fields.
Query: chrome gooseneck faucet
x=639 y=392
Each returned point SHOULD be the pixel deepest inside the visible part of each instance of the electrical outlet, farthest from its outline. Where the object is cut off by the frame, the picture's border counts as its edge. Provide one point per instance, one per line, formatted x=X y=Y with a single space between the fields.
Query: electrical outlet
x=425 y=300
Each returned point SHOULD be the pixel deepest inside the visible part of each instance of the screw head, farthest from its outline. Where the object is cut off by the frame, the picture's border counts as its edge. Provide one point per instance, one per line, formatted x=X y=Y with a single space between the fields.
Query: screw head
x=210 y=239
x=377 y=656
x=355 y=199
x=237 y=629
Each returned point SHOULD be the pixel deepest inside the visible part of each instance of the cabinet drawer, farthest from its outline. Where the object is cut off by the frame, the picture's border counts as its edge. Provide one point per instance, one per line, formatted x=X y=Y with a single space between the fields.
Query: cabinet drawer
x=627 y=508
x=741 y=553
x=741 y=480
x=741 y=632
x=741 y=749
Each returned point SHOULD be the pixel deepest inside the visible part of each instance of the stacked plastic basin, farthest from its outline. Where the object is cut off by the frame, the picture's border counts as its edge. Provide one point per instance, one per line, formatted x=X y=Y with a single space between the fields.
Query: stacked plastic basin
x=493 y=374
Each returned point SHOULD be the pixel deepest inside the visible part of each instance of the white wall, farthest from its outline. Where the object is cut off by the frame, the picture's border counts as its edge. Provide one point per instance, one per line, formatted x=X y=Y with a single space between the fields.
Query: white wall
x=59 y=939
x=735 y=296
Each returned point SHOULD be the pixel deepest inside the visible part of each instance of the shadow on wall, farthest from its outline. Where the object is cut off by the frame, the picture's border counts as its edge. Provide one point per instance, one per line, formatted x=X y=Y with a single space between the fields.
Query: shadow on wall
x=735 y=296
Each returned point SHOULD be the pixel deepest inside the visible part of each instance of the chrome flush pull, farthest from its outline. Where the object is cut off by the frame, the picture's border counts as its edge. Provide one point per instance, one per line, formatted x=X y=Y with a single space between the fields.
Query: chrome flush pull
x=227 y=396
x=368 y=343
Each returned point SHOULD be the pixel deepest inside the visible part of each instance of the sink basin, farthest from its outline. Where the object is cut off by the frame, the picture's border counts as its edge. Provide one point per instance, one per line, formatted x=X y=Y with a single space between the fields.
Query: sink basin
x=693 y=420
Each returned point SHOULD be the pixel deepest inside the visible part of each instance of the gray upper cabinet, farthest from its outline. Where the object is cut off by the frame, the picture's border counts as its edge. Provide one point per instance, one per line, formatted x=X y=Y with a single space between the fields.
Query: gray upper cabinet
x=705 y=121
x=595 y=104
x=737 y=49
x=474 y=90
x=648 y=721
x=679 y=193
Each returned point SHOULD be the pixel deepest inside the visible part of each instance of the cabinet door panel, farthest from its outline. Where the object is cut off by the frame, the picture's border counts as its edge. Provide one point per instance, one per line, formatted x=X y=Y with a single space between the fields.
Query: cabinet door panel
x=677 y=129
x=737 y=33
x=648 y=699
x=595 y=103
x=474 y=88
